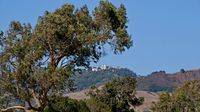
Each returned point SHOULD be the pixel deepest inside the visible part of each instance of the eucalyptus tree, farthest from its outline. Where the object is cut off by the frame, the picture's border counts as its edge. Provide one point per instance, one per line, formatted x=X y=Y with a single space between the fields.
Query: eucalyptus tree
x=37 y=62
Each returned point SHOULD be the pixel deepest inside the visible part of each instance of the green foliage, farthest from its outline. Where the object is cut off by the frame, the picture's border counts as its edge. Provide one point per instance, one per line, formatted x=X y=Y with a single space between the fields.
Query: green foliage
x=65 y=104
x=97 y=106
x=164 y=103
x=2 y=101
x=118 y=95
x=38 y=62
x=186 y=98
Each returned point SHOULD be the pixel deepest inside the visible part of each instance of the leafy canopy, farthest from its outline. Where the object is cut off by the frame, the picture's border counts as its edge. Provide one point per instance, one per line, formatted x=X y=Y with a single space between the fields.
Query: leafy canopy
x=37 y=62
x=65 y=104
x=186 y=98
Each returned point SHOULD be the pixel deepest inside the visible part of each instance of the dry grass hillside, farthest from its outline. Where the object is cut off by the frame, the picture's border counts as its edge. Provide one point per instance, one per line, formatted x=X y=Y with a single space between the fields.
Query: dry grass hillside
x=148 y=96
x=154 y=82
x=162 y=81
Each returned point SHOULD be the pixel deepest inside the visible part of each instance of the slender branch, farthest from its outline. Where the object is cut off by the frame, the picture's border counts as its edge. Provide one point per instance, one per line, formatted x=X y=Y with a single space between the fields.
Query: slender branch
x=17 y=88
x=51 y=51
x=13 y=107
x=59 y=58
x=51 y=56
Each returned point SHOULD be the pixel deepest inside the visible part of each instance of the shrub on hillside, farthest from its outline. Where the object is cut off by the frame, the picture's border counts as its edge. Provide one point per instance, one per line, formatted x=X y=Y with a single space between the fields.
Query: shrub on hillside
x=185 y=98
x=118 y=95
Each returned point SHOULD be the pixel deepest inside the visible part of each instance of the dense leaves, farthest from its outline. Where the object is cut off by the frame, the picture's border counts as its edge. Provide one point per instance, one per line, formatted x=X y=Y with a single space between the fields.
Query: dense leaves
x=118 y=95
x=37 y=62
x=65 y=104
x=185 y=98
x=97 y=106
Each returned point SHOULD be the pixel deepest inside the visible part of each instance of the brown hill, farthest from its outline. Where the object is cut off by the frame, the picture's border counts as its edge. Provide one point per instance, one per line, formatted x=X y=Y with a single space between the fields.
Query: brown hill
x=162 y=81
x=156 y=81
x=148 y=96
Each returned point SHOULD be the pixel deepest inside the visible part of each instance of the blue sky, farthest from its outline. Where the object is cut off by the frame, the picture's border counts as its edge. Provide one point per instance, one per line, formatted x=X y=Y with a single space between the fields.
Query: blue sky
x=166 y=33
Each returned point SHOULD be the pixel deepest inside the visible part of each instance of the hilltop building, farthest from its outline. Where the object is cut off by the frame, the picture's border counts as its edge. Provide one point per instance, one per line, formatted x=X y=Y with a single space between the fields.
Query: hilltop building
x=94 y=69
x=102 y=67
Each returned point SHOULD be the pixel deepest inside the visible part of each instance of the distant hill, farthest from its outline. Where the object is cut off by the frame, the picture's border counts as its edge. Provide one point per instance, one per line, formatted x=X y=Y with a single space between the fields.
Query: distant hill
x=161 y=81
x=148 y=86
x=156 y=81
x=89 y=78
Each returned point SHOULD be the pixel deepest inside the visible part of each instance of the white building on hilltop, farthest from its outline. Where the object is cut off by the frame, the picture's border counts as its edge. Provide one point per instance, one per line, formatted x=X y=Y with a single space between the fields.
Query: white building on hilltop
x=103 y=67
x=94 y=69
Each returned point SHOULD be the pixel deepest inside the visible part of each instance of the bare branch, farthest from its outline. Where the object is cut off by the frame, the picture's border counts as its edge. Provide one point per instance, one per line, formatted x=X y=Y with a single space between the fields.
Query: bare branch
x=14 y=107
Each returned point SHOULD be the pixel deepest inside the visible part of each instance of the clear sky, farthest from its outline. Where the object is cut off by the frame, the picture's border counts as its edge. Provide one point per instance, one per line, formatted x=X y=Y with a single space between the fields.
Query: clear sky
x=166 y=33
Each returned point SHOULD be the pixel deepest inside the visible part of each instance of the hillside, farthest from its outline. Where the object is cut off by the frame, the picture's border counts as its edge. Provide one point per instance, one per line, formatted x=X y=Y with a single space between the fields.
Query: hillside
x=148 y=96
x=162 y=81
x=156 y=81
x=89 y=78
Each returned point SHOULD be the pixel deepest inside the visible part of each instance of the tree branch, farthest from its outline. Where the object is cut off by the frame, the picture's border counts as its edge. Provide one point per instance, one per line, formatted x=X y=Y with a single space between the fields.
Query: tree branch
x=13 y=107
x=58 y=58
